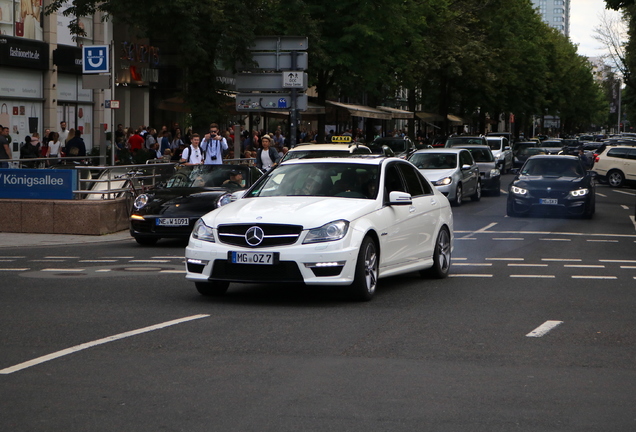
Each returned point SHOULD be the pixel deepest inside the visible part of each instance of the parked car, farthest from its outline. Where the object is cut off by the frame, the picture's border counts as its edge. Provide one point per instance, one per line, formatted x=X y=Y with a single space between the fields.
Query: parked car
x=502 y=152
x=345 y=222
x=488 y=168
x=402 y=147
x=552 y=184
x=452 y=171
x=307 y=151
x=617 y=165
x=171 y=210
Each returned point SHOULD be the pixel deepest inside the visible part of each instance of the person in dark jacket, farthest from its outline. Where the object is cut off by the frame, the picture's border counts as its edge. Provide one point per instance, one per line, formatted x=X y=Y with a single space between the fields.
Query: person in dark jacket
x=77 y=142
x=270 y=158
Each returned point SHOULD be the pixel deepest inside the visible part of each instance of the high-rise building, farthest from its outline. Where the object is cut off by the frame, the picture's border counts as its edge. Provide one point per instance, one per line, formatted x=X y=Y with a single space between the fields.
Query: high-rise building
x=555 y=13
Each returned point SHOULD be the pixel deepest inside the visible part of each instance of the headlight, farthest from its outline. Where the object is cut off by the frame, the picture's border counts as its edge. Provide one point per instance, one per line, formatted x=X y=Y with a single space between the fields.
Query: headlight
x=224 y=200
x=579 y=192
x=443 y=182
x=329 y=232
x=141 y=201
x=494 y=172
x=518 y=191
x=202 y=232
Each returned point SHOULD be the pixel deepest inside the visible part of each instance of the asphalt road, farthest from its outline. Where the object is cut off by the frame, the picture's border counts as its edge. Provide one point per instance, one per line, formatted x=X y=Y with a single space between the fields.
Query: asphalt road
x=534 y=331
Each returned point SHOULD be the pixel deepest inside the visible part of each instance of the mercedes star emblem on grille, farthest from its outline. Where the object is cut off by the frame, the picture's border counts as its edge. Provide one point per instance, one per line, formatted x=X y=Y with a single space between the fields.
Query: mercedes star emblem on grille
x=254 y=236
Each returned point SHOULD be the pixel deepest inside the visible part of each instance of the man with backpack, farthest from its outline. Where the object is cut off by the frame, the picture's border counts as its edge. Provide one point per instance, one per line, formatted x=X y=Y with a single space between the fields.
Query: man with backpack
x=193 y=155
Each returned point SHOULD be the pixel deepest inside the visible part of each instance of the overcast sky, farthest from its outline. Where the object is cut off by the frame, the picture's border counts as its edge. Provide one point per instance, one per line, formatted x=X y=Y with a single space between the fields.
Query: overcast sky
x=584 y=18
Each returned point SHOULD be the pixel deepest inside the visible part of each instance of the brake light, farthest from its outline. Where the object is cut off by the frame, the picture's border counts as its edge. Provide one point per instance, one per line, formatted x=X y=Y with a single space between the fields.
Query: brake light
x=596 y=158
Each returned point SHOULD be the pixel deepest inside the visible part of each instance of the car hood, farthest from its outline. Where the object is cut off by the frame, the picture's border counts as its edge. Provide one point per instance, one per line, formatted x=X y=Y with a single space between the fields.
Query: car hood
x=543 y=183
x=436 y=174
x=183 y=202
x=310 y=212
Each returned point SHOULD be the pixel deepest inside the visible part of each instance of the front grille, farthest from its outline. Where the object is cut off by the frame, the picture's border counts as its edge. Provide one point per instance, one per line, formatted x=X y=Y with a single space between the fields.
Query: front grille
x=284 y=271
x=275 y=234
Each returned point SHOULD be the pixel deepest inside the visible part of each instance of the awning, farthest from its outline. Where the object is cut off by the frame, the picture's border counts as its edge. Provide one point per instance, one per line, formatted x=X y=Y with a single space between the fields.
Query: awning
x=454 y=119
x=312 y=110
x=362 y=111
x=175 y=104
x=397 y=113
x=429 y=117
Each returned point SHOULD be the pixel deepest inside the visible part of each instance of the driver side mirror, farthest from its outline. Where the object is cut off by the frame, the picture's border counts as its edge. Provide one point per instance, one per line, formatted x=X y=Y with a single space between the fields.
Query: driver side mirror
x=400 y=198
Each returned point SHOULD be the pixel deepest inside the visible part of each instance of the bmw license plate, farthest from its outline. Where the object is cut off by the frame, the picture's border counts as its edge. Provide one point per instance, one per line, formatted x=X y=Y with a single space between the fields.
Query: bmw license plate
x=549 y=201
x=264 y=258
x=173 y=221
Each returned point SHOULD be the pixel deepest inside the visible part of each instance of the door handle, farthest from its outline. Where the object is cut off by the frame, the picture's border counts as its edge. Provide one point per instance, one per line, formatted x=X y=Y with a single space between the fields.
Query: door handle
x=411 y=209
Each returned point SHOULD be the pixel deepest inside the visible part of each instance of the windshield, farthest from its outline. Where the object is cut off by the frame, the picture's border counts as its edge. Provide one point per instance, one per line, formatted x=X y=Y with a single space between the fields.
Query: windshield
x=397 y=145
x=482 y=155
x=464 y=140
x=431 y=160
x=320 y=179
x=553 y=168
x=494 y=144
x=209 y=176
x=552 y=144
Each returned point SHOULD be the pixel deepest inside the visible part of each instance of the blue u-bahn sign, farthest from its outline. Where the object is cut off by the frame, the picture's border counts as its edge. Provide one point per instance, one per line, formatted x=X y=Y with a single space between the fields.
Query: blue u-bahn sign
x=38 y=183
x=95 y=59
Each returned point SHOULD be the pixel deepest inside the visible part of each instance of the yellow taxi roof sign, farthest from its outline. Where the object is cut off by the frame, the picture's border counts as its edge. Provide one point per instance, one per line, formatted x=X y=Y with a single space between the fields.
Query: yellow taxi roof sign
x=341 y=139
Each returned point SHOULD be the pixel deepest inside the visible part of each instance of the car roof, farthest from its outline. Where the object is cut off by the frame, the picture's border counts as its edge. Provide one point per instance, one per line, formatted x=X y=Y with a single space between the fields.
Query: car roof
x=547 y=156
x=495 y=137
x=455 y=149
x=360 y=159
x=325 y=146
x=472 y=146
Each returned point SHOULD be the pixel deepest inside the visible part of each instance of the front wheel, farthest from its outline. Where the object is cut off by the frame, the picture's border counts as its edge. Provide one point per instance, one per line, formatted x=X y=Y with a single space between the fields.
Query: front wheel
x=615 y=178
x=212 y=288
x=441 y=257
x=477 y=195
x=366 y=276
x=459 y=196
x=510 y=211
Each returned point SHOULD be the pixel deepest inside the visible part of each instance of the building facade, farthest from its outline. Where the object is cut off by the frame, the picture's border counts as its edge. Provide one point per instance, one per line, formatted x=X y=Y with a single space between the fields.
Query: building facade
x=555 y=13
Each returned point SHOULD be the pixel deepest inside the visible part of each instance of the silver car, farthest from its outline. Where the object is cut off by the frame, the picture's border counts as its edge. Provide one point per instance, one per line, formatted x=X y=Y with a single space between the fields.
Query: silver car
x=452 y=171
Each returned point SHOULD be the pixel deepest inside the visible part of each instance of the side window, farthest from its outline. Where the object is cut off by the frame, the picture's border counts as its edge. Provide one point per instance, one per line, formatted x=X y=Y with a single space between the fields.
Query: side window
x=618 y=153
x=412 y=179
x=392 y=181
x=465 y=158
x=632 y=154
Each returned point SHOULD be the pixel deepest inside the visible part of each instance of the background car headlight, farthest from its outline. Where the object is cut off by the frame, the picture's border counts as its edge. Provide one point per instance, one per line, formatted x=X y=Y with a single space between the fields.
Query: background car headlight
x=141 y=201
x=518 y=191
x=494 y=172
x=329 y=232
x=579 y=192
x=224 y=200
x=202 y=232
x=443 y=182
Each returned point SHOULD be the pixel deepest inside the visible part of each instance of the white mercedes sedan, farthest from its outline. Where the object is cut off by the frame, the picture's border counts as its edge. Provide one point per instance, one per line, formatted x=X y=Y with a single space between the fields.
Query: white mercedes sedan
x=325 y=221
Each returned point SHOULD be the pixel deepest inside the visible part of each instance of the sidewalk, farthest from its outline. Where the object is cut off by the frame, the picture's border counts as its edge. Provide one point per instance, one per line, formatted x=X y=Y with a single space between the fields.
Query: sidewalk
x=8 y=240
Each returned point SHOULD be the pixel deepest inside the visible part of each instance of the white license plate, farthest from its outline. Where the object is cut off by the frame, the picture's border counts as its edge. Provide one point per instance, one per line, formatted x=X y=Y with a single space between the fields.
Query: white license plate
x=264 y=258
x=549 y=201
x=173 y=221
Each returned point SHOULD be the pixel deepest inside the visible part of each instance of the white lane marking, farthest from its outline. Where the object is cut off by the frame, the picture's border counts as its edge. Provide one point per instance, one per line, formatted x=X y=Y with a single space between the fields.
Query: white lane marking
x=148 y=261
x=573 y=234
x=594 y=277
x=544 y=328
x=477 y=275
x=601 y=195
x=623 y=192
x=555 y=239
x=480 y=230
x=459 y=259
x=628 y=267
x=508 y=238
x=87 y=345
x=602 y=241
x=118 y=257
x=168 y=257
x=62 y=270
x=12 y=256
x=505 y=259
x=98 y=261
x=562 y=259
x=7 y=260
x=61 y=257
x=173 y=271
x=47 y=260
x=583 y=266
x=14 y=269
x=465 y=238
x=625 y=207
x=474 y=264
x=526 y=265
x=618 y=261
x=533 y=276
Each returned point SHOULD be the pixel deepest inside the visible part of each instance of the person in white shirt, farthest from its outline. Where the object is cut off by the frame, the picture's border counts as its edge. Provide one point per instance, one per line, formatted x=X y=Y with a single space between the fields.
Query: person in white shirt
x=267 y=157
x=55 y=145
x=63 y=133
x=213 y=145
x=193 y=155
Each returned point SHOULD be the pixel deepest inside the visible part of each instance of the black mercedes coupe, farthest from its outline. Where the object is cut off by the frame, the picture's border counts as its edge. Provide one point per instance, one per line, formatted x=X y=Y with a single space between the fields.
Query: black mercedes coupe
x=171 y=209
x=553 y=185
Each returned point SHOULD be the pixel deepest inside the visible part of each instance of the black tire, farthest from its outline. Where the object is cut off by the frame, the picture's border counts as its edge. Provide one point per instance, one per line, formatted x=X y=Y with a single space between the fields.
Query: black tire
x=459 y=199
x=590 y=209
x=477 y=195
x=510 y=211
x=441 y=257
x=497 y=190
x=366 y=276
x=615 y=178
x=212 y=288
x=146 y=241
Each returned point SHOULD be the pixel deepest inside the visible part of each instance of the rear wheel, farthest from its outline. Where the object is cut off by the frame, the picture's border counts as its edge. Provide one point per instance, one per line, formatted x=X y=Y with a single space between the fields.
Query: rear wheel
x=212 y=288
x=441 y=257
x=477 y=195
x=145 y=241
x=366 y=276
x=615 y=178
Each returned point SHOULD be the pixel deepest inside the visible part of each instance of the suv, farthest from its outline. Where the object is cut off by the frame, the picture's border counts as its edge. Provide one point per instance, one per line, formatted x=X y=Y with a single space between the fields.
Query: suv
x=617 y=165
x=500 y=147
x=465 y=139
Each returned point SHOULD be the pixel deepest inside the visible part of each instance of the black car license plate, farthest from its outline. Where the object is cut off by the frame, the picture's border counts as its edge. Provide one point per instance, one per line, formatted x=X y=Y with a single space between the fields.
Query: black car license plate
x=549 y=201
x=260 y=258
x=173 y=221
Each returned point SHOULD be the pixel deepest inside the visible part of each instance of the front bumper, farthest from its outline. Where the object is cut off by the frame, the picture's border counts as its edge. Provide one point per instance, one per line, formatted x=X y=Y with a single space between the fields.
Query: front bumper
x=148 y=228
x=564 y=206
x=328 y=263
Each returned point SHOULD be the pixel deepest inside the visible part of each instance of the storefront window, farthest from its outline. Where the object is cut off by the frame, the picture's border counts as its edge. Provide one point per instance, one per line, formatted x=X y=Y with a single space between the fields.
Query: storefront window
x=21 y=18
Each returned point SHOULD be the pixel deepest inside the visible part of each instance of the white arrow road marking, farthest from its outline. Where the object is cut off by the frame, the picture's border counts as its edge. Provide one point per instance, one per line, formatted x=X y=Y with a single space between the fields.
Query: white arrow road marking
x=544 y=328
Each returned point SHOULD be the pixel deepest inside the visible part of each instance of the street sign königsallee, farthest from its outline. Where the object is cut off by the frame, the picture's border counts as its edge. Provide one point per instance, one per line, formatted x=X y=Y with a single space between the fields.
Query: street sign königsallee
x=269 y=101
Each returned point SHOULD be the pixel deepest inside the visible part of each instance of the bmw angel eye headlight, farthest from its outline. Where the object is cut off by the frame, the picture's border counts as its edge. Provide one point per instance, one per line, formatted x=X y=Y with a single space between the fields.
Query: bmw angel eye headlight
x=224 y=200
x=141 y=201
x=329 y=232
x=518 y=191
x=443 y=182
x=202 y=232
x=579 y=192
